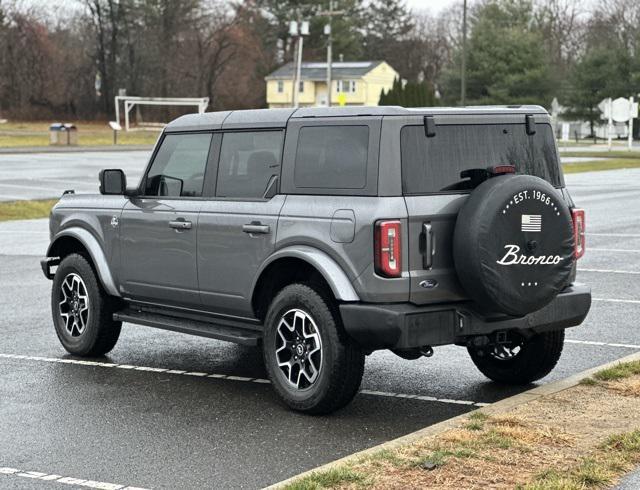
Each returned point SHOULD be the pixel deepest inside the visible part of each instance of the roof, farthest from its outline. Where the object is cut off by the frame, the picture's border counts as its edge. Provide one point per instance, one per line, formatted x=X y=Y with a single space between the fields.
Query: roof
x=317 y=71
x=277 y=118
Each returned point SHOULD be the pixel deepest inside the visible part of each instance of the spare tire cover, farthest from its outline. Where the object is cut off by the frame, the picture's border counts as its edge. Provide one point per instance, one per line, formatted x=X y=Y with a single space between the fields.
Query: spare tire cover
x=513 y=244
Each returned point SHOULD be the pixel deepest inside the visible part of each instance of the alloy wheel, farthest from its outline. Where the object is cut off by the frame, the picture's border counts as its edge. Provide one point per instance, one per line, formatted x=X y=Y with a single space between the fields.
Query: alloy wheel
x=74 y=305
x=298 y=349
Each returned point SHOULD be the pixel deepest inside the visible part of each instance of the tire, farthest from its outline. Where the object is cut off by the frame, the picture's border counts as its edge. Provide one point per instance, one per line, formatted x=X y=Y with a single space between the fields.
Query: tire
x=537 y=357
x=91 y=331
x=332 y=374
x=513 y=246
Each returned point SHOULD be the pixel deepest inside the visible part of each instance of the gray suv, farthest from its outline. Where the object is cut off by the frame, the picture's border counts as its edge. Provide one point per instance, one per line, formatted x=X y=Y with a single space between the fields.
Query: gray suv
x=324 y=234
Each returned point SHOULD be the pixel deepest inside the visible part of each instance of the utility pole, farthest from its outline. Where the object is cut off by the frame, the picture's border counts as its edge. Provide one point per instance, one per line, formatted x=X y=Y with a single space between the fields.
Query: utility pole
x=329 y=32
x=463 y=70
x=299 y=29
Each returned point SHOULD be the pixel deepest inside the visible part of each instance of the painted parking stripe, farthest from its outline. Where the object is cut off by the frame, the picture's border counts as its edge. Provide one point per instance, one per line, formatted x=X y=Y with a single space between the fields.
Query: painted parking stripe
x=606 y=344
x=225 y=377
x=630 y=235
x=615 y=250
x=615 y=300
x=609 y=271
x=78 y=482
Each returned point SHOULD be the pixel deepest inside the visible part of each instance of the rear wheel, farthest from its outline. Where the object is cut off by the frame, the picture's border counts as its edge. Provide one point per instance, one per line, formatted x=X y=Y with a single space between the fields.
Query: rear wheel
x=82 y=311
x=519 y=360
x=313 y=365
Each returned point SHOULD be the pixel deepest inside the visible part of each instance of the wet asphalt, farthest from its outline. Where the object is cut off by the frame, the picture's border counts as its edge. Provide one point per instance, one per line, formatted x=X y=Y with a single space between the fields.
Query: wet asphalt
x=131 y=427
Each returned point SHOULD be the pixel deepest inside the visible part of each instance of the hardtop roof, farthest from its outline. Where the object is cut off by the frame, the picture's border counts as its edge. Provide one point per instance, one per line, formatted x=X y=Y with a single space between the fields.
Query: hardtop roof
x=277 y=118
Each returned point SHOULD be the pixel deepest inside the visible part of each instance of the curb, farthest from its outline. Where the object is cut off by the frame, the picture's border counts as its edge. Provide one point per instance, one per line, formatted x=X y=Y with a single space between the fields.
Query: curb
x=493 y=409
x=71 y=149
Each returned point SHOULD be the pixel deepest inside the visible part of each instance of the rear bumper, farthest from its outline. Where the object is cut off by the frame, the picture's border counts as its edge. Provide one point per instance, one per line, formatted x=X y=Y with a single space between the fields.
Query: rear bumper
x=404 y=325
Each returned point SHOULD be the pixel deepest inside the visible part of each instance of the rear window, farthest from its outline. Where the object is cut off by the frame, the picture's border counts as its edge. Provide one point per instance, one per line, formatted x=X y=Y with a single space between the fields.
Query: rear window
x=434 y=164
x=332 y=157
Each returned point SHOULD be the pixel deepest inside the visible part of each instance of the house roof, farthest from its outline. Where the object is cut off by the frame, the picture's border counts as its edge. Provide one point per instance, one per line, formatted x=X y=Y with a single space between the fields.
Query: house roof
x=317 y=71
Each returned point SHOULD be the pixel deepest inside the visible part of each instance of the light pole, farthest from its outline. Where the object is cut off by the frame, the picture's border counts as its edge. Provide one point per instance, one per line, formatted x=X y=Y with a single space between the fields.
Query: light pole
x=328 y=32
x=298 y=29
x=463 y=68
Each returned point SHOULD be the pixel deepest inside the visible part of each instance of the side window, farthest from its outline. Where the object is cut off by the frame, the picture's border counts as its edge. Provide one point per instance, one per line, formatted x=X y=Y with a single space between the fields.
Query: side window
x=179 y=165
x=332 y=157
x=248 y=161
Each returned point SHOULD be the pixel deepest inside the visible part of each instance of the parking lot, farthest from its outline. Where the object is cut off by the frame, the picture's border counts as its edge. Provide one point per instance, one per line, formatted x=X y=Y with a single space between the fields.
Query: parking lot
x=164 y=410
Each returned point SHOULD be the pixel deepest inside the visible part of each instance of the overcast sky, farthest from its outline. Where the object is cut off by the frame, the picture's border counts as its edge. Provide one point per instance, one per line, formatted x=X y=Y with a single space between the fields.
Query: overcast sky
x=431 y=5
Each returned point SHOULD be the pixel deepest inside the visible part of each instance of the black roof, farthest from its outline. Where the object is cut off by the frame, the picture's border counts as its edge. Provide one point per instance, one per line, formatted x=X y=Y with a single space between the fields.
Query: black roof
x=277 y=118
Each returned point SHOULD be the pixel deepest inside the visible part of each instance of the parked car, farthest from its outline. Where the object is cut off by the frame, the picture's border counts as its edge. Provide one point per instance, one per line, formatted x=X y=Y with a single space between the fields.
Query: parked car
x=324 y=234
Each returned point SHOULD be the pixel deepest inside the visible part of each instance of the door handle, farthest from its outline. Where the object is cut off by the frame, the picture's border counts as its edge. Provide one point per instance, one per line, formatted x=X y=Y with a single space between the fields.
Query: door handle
x=429 y=245
x=255 y=227
x=180 y=224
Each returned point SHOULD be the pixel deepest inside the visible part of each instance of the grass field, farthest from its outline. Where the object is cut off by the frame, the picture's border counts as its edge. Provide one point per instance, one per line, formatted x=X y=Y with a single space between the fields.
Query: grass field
x=92 y=133
x=13 y=210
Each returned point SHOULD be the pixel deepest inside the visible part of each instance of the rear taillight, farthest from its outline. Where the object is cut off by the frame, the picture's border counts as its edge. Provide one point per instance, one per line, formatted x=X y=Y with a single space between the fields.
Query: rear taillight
x=578 y=232
x=388 y=250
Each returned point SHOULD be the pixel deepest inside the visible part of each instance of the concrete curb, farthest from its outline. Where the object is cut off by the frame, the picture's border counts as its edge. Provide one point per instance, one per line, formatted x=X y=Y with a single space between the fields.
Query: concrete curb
x=72 y=149
x=493 y=409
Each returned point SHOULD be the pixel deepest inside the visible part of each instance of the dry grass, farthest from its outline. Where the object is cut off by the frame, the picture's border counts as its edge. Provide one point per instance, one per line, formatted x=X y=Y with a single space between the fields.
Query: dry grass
x=13 y=210
x=584 y=437
x=90 y=133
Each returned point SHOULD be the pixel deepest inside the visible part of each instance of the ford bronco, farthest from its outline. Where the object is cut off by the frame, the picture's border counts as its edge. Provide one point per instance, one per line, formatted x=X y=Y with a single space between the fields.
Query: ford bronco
x=324 y=234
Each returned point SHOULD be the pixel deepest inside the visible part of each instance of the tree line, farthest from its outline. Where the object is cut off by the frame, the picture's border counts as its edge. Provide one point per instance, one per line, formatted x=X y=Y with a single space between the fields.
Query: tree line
x=72 y=63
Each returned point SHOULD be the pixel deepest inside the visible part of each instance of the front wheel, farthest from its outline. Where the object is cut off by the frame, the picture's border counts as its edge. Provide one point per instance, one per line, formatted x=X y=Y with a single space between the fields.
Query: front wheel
x=313 y=365
x=519 y=360
x=82 y=311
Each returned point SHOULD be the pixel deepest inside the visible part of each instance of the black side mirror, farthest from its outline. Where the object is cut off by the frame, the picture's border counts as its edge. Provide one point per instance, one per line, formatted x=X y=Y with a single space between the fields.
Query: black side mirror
x=112 y=181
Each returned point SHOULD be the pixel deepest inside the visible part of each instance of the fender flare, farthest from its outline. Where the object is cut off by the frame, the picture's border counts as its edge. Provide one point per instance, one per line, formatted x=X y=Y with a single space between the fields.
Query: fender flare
x=95 y=251
x=329 y=269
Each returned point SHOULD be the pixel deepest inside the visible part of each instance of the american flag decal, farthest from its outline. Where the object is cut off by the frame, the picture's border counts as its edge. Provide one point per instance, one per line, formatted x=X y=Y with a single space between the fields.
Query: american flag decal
x=531 y=222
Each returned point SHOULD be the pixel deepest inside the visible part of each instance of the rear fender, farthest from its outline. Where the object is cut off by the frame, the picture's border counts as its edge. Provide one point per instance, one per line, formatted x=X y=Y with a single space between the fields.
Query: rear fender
x=331 y=272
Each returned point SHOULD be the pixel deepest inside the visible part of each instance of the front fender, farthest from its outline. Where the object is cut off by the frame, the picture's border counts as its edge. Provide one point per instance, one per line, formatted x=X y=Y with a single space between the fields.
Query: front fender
x=334 y=275
x=95 y=251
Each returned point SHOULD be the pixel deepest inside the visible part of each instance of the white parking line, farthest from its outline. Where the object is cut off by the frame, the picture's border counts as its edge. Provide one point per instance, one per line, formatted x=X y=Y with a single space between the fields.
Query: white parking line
x=606 y=344
x=623 y=250
x=226 y=377
x=630 y=235
x=609 y=271
x=613 y=300
x=78 y=482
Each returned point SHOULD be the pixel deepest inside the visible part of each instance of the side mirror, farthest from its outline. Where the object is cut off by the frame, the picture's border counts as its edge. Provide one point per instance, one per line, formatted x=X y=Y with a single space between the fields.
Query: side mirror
x=112 y=181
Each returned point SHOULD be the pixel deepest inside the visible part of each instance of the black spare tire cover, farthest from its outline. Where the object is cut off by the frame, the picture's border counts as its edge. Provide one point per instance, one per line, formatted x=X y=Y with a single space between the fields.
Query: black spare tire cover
x=513 y=244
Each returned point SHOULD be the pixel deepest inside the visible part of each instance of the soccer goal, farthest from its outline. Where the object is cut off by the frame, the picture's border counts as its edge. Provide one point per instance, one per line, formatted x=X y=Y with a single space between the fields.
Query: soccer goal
x=129 y=102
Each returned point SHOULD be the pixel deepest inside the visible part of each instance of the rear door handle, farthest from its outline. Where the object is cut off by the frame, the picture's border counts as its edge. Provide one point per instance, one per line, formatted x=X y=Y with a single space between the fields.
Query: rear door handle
x=429 y=245
x=180 y=224
x=256 y=228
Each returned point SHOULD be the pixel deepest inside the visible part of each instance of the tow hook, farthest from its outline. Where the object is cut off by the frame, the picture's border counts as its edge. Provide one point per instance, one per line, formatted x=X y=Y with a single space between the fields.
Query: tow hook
x=426 y=351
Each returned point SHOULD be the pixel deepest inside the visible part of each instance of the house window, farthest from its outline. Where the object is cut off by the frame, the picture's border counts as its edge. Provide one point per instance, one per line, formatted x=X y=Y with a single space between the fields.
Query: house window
x=346 y=86
x=280 y=86
x=301 y=86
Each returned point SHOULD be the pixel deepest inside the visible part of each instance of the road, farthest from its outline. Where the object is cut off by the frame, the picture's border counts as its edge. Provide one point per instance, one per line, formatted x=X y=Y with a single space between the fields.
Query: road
x=46 y=175
x=128 y=421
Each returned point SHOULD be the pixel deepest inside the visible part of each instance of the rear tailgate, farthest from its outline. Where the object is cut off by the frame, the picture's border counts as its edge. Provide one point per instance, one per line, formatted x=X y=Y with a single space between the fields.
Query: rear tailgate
x=434 y=190
x=431 y=269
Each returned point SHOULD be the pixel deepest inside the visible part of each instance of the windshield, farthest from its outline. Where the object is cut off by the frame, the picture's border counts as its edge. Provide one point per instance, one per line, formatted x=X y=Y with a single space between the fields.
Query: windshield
x=434 y=164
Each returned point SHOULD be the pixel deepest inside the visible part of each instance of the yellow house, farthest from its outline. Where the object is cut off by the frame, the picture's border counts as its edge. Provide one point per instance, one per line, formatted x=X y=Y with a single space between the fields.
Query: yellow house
x=353 y=83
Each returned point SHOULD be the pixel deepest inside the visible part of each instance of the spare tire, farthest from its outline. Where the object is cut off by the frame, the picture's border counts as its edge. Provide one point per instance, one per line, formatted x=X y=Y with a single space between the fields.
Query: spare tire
x=513 y=244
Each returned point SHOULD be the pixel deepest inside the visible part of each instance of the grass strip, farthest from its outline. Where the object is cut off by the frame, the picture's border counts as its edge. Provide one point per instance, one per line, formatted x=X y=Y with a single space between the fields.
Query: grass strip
x=602 y=154
x=573 y=439
x=12 y=210
x=598 y=165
